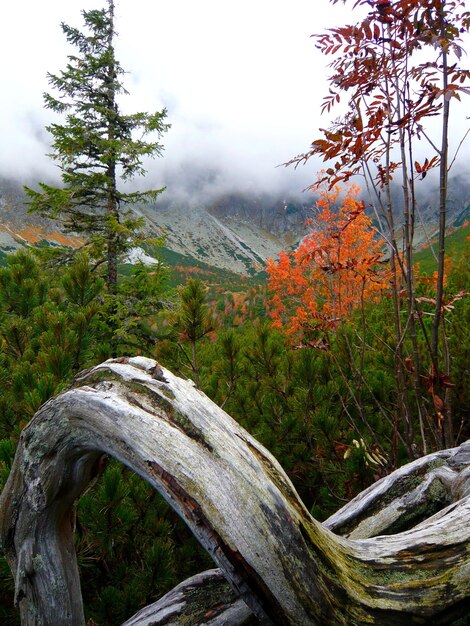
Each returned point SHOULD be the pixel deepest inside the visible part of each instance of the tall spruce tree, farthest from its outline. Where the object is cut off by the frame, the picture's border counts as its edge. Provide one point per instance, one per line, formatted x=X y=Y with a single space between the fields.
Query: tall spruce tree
x=96 y=146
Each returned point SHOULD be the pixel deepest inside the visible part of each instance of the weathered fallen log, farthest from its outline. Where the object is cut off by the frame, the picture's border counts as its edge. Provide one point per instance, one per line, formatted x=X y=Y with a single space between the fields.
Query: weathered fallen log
x=288 y=568
x=206 y=598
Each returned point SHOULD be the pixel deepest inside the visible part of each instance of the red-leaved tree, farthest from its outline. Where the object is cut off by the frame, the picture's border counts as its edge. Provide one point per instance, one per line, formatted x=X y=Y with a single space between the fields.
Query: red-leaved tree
x=336 y=267
x=397 y=68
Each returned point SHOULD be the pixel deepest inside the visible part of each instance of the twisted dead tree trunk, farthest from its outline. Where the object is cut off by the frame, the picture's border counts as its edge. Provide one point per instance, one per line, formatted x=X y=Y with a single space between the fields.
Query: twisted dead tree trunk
x=357 y=568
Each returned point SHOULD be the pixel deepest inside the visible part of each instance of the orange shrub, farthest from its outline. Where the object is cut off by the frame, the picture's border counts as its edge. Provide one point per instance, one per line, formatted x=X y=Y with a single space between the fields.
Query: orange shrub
x=336 y=267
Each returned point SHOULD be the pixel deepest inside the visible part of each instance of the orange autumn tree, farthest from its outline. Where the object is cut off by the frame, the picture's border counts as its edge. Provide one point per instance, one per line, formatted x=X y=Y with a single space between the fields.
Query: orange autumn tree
x=335 y=269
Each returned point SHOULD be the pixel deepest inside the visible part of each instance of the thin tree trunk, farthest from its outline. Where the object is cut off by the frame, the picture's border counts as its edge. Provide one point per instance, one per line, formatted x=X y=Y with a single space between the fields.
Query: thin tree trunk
x=402 y=396
x=396 y=264
x=445 y=419
x=112 y=202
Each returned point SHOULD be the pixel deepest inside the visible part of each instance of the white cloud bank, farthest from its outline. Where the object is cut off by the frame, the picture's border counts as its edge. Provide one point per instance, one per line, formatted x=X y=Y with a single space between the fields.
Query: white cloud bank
x=241 y=79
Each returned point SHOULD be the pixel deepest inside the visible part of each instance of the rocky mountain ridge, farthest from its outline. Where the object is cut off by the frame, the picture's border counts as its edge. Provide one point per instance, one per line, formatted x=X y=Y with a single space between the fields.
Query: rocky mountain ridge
x=237 y=232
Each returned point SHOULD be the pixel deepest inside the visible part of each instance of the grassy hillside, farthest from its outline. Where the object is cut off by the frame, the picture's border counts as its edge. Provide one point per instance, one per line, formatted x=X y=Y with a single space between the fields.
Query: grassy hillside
x=455 y=243
x=181 y=267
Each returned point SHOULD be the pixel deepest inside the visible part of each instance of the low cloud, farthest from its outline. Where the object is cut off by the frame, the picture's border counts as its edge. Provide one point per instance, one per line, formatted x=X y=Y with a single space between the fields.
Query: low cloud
x=239 y=93
x=242 y=82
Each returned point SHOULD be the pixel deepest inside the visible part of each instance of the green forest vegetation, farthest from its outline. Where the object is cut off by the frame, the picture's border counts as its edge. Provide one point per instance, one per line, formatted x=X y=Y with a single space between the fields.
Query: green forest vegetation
x=341 y=401
x=455 y=243
x=328 y=415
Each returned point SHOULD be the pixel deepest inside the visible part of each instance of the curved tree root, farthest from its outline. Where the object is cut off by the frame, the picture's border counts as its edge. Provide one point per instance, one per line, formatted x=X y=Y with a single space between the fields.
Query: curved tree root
x=288 y=568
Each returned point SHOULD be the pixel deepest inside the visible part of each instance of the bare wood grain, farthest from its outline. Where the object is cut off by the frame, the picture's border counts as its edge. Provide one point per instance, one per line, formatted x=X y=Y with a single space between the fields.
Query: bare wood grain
x=237 y=500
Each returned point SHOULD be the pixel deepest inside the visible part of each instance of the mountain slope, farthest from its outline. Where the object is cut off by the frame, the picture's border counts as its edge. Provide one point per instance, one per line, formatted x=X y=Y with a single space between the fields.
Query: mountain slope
x=236 y=233
x=221 y=237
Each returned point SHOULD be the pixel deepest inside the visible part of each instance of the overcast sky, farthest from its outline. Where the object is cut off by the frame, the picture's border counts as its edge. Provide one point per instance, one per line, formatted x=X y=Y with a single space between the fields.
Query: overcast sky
x=241 y=79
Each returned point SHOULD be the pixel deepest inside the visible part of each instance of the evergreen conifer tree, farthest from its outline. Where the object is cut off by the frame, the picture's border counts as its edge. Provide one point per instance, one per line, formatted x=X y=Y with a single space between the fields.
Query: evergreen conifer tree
x=191 y=322
x=96 y=146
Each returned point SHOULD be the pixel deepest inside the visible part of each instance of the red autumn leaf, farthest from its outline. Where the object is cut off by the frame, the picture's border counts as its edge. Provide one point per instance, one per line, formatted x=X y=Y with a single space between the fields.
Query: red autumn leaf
x=409 y=364
x=438 y=403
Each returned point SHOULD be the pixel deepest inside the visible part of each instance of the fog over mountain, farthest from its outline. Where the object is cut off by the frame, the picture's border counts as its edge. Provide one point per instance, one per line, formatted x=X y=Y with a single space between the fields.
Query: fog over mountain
x=242 y=82
x=231 y=227
x=192 y=168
